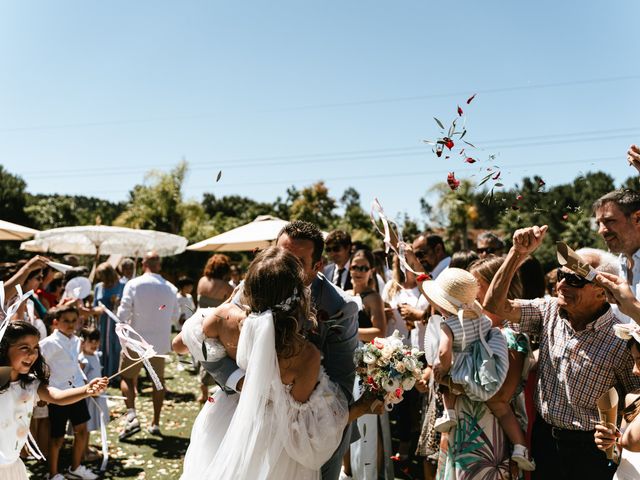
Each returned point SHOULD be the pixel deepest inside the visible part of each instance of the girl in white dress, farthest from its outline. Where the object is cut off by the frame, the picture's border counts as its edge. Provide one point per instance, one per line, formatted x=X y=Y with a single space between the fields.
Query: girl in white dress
x=289 y=417
x=24 y=382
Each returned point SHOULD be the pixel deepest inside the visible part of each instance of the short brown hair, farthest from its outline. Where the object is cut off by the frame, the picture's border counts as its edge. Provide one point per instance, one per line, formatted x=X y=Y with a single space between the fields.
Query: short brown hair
x=218 y=266
x=625 y=199
x=57 y=312
x=338 y=237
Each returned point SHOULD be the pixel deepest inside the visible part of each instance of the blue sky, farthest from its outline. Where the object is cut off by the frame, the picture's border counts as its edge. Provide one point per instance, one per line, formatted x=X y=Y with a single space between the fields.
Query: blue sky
x=94 y=94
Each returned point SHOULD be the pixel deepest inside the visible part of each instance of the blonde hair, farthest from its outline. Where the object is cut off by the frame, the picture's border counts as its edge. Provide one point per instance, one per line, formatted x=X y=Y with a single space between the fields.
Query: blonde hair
x=487 y=268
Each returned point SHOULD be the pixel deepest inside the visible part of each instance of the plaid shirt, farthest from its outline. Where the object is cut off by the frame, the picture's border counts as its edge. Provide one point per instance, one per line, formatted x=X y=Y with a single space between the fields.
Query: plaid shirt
x=575 y=368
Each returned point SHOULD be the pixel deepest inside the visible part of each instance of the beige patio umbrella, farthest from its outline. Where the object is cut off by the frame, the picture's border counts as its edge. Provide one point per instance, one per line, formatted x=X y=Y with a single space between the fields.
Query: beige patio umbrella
x=13 y=231
x=260 y=233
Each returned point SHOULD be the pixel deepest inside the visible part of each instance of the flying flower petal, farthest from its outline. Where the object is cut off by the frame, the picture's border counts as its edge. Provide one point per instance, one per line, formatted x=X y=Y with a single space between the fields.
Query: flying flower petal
x=470 y=160
x=453 y=182
x=470 y=99
x=497 y=175
x=219 y=176
x=162 y=307
x=460 y=112
x=448 y=142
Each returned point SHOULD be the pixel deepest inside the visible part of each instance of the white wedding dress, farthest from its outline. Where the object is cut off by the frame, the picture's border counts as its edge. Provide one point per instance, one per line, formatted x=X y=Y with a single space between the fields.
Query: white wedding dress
x=262 y=433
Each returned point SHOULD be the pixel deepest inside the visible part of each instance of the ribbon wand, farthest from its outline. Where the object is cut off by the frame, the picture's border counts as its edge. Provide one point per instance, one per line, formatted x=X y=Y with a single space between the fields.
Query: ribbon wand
x=130 y=340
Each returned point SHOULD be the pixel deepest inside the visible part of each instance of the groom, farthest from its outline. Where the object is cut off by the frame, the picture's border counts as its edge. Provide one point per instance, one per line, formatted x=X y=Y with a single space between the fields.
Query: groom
x=336 y=335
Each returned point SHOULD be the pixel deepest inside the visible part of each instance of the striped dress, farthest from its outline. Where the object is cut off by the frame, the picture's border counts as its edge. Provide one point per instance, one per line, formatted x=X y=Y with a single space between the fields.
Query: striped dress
x=480 y=357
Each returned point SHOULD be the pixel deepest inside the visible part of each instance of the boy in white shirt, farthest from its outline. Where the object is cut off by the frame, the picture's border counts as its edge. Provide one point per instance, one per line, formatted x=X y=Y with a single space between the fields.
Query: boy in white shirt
x=61 y=351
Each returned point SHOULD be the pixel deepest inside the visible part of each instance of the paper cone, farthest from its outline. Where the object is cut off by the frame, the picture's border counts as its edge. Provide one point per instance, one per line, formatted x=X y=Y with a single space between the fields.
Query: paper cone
x=61 y=267
x=608 y=411
x=570 y=259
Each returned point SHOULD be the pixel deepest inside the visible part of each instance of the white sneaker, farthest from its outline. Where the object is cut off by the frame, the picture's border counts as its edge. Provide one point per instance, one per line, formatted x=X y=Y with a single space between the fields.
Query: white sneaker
x=446 y=422
x=520 y=455
x=81 y=473
x=57 y=476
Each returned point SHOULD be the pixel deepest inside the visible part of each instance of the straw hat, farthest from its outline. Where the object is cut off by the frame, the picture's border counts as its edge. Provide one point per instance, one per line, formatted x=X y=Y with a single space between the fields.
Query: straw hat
x=454 y=290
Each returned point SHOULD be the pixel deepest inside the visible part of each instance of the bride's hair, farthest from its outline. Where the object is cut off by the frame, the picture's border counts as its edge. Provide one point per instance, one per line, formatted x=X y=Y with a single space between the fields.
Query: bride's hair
x=275 y=280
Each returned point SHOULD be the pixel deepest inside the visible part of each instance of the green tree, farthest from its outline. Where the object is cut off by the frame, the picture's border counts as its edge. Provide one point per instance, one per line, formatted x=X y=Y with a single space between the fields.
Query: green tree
x=459 y=207
x=52 y=211
x=156 y=206
x=13 y=198
x=313 y=204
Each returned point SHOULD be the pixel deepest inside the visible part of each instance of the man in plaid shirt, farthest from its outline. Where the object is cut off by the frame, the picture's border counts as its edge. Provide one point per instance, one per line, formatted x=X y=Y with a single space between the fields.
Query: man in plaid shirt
x=580 y=359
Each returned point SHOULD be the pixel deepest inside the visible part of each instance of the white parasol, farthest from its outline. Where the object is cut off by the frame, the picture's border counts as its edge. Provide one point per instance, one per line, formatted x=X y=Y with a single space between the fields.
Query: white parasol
x=13 y=231
x=260 y=233
x=105 y=240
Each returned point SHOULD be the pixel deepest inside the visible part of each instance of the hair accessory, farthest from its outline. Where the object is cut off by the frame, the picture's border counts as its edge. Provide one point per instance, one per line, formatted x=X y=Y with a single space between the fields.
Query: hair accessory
x=288 y=304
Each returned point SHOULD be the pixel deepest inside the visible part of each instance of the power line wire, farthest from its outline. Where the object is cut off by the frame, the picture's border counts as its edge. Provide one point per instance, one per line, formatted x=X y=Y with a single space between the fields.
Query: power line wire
x=349 y=156
x=102 y=123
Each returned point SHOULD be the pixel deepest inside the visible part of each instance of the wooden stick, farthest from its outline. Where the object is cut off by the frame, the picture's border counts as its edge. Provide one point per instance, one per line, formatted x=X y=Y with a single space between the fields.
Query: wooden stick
x=126 y=368
x=133 y=364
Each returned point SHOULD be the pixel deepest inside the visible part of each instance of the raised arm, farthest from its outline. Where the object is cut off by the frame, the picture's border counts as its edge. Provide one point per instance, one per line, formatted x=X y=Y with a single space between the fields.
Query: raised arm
x=619 y=292
x=72 y=395
x=35 y=263
x=633 y=156
x=525 y=241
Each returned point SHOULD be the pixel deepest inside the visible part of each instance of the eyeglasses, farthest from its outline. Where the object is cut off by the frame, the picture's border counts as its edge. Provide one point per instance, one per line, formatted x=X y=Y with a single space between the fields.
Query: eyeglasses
x=333 y=248
x=572 y=279
x=422 y=253
x=487 y=250
x=359 y=268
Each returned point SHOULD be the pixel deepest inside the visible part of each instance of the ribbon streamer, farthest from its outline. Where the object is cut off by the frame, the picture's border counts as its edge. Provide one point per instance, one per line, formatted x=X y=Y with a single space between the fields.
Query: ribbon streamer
x=103 y=436
x=10 y=310
x=386 y=234
x=130 y=340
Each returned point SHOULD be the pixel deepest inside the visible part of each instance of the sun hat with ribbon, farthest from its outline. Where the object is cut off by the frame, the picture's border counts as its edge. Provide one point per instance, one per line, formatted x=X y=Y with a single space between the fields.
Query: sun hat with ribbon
x=454 y=291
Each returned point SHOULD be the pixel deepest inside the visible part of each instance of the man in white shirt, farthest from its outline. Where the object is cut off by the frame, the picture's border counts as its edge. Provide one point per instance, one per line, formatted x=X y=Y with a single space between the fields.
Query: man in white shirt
x=618 y=219
x=150 y=306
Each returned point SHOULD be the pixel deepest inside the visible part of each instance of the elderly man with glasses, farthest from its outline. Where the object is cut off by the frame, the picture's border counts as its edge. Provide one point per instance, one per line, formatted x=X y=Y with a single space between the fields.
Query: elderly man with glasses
x=580 y=359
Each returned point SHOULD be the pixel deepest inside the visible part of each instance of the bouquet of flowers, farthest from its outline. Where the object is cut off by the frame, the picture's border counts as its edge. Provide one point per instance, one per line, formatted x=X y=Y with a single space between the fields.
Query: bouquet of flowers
x=387 y=368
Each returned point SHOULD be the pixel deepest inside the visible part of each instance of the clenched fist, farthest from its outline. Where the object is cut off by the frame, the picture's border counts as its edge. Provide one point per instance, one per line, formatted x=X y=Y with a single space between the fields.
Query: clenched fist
x=527 y=240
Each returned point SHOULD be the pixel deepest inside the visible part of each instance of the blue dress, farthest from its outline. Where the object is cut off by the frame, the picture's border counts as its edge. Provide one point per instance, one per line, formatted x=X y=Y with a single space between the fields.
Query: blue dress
x=109 y=343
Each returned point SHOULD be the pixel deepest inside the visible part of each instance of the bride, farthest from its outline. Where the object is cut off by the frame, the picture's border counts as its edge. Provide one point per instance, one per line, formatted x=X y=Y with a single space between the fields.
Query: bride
x=289 y=418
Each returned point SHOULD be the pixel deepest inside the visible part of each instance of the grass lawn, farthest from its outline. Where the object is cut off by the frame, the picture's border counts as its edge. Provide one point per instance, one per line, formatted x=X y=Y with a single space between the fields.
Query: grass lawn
x=144 y=455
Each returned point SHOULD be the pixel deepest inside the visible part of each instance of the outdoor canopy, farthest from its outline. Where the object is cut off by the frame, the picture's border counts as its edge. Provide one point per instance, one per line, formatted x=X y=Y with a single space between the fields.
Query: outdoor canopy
x=13 y=231
x=105 y=240
x=260 y=233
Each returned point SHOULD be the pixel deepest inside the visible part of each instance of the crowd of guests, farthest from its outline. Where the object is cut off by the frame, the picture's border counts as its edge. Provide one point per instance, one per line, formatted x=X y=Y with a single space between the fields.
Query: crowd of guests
x=515 y=359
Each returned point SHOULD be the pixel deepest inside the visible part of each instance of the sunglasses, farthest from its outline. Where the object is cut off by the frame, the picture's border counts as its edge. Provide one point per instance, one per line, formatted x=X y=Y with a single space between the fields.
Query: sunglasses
x=487 y=250
x=572 y=279
x=333 y=248
x=422 y=253
x=358 y=268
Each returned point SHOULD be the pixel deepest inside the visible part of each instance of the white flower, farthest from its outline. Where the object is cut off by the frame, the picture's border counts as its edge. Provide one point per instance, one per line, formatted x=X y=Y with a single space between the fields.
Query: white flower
x=369 y=358
x=408 y=383
x=399 y=366
x=410 y=363
x=387 y=352
x=415 y=352
x=390 y=384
